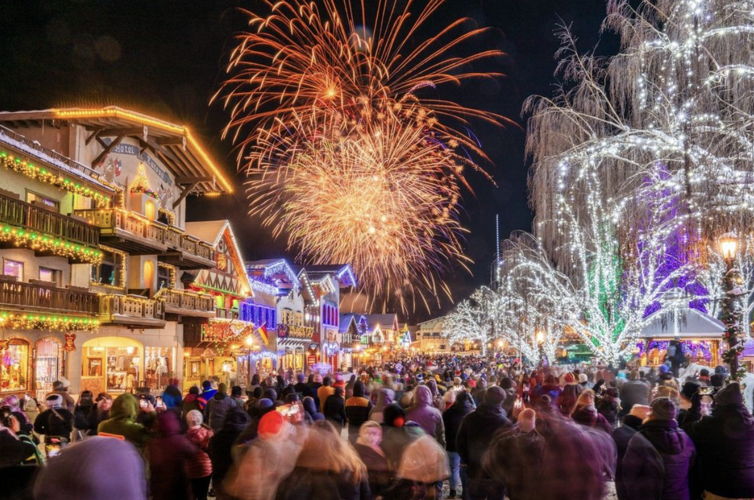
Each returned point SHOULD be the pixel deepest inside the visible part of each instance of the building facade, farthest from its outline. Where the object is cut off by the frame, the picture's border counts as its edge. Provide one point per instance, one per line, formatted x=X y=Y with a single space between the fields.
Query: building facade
x=93 y=248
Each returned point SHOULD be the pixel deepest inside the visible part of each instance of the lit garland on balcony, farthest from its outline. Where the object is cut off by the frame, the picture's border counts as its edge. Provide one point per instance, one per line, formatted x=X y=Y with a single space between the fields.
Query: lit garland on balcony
x=46 y=322
x=45 y=243
x=42 y=174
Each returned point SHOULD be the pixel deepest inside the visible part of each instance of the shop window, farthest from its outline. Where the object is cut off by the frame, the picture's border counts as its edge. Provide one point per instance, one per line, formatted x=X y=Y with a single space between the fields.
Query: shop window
x=46 y=366
x=108 y=272
x=157 y=367
x=14 y=366
x=40 y=200
x=111 y=368
x=51 y=275
x=13 y=268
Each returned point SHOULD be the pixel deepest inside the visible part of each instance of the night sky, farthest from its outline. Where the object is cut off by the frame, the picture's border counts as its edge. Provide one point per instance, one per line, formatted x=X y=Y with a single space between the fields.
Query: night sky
x=168 y=58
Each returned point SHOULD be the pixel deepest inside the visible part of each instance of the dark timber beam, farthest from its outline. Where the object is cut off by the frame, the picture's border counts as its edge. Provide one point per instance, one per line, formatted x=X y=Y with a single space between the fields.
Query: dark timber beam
x=186 y=190
x=101 y=157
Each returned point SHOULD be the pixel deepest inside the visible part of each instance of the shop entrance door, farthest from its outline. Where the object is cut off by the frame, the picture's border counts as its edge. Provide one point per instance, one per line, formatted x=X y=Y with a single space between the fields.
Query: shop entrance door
x=46 y=367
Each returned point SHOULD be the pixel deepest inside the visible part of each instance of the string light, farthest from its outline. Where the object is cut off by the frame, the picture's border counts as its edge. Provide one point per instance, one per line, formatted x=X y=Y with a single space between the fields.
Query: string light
x=46 y=322
x=47 y=176
x=46 y=243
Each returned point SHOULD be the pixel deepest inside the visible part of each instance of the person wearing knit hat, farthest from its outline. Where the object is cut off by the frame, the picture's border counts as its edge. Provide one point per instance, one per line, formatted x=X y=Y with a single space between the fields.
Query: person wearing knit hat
x=658 y=460
x=56 y=421
x=726 y=457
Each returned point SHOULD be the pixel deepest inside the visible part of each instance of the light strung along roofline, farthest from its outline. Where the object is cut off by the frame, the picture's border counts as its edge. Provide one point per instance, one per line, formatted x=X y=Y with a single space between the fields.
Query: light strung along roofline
x=143 y=119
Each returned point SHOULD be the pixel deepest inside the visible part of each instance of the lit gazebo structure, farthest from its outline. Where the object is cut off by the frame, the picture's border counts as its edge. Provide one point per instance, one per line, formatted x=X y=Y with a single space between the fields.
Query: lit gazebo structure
x=700 y=336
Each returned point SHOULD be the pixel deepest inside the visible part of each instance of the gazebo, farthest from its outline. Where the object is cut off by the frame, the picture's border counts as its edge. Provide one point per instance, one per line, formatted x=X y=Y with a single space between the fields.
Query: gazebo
x=699 y=334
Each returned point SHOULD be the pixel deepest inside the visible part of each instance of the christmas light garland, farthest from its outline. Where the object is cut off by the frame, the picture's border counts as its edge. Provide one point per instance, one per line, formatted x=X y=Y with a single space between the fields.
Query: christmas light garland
x=47 y=176
x=46 y=243
x=20 y=321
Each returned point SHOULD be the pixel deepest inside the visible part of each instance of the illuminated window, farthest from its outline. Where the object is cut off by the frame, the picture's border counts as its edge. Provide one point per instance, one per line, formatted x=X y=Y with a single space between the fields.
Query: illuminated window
x=108 y=271
x=51 y=275
x=42 y=201
x=13 y=268
x=220 y=301
x=14 y=366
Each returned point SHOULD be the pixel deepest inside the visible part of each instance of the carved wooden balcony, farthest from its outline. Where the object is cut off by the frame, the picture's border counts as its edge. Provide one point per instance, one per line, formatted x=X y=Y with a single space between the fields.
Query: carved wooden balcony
x=47 y=298
x=186 y=303
x=134 y=311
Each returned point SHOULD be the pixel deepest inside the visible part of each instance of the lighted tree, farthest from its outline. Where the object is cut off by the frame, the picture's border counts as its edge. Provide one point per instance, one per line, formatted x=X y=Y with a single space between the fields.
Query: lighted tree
x=473 y=319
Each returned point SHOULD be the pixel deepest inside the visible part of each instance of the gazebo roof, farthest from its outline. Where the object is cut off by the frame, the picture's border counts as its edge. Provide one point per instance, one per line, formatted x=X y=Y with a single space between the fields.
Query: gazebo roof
x=683 y=323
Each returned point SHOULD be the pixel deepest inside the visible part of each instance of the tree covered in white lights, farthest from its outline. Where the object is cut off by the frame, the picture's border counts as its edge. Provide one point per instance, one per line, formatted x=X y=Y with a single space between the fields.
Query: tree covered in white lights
x=473 y=319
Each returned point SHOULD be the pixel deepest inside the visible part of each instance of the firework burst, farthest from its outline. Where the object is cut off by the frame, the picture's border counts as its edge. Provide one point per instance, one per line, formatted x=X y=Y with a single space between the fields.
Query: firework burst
x=342 y=152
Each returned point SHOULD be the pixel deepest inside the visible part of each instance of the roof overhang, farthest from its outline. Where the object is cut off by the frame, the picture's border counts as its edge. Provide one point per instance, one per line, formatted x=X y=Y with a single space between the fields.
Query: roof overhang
x=173 y=144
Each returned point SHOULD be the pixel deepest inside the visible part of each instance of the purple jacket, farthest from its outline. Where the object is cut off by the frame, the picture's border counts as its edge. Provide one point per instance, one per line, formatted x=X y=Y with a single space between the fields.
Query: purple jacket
x=427 y=416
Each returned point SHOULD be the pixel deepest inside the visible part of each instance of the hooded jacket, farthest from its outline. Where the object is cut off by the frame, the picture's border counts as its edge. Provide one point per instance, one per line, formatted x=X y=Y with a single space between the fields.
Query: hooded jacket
x=357 y=410
x=122 y=421
x=426 y=415
x=169 y=453
x=725 y=444
x=657 y=463
x=217 y=408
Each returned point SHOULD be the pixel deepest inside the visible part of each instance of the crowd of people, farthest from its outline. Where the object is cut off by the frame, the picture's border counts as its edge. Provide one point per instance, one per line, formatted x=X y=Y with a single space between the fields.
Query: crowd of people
x=421 y=427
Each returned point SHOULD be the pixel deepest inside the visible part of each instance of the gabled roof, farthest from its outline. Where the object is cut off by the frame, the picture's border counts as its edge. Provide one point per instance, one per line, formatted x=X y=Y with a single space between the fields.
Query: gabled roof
x=278 y=271
x=345 y=322
x=213 y=231
x=342 y=272
x=384 y=321
x=175 y=145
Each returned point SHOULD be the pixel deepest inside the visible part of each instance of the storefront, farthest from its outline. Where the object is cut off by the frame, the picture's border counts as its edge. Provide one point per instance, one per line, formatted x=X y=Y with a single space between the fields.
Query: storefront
x=698 y=334
x=48 y=365
x=210 y=363
x=15 y=366
x=112 y=364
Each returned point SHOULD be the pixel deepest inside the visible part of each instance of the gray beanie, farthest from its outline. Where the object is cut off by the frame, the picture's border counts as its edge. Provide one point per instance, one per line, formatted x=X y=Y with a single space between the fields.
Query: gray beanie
x=664 y=409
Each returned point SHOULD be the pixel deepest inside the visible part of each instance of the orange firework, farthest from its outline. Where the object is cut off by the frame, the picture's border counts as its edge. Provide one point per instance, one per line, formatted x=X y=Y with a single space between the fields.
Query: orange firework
x=343 y=151
x=379 y=194
x=310 y=55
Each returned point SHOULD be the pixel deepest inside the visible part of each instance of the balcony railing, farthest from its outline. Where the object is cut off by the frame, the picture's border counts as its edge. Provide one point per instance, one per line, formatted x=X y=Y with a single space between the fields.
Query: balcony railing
x=134 y=233
x=47 y=298
x=131 y=310
x=24 y=215
x=186 y=302
x=300 y=332
x=126 y=230
x=226 y=313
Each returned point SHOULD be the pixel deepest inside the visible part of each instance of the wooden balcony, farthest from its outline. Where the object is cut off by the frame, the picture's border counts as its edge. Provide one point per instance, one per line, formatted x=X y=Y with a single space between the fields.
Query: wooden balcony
x=37 y=297
x=186 y=303
x=188 y=252
x=127 y=231
x=133 y=311
x=137 y=235
x=47 y=224
x=226 y=313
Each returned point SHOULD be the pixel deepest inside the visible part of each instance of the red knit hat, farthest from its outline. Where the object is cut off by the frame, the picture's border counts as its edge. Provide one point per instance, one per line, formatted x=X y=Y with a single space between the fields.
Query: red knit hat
x=271 y=423
x=569 y=378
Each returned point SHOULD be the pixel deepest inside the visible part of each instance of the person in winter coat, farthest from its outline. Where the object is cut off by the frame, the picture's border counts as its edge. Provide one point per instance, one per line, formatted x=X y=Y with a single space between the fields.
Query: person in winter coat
x=327 y=468
x=218 y=407
x=193 y=401
x=172 y=396
x=55 y=421
x=423 y=466
x=385 y=397
x=586 y=414
x=83 y=409
x=690 y=410
x=169 y=452
x=622 y=436
x=61 y=387
x=199 y=467
x=725 y=446
x=633 y=392
x=13 y=450
x=659 y=457
x=335 y=409
x=426 y=415
x=452 y=418
x=515 y=457
x=369 y=450
x=221 y=447
x=357 y=409
x=397 y=434
x=122 y=421
x=310 y=407
x=324 y=391
x=208 y=392
x=100 y=412
x=473 y=440
x=96 y=468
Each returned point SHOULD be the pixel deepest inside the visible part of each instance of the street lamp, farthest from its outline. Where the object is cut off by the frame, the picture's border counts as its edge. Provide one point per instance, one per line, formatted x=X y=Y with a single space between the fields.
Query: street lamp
x=732 y=311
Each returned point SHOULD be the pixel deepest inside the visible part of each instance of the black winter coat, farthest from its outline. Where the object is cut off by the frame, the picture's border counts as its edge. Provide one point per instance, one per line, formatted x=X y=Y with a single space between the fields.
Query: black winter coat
x=725 y=445
x=657 y=463
x=335 y=410
x=475 y=434
x=622 y=436
x=452 y=419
